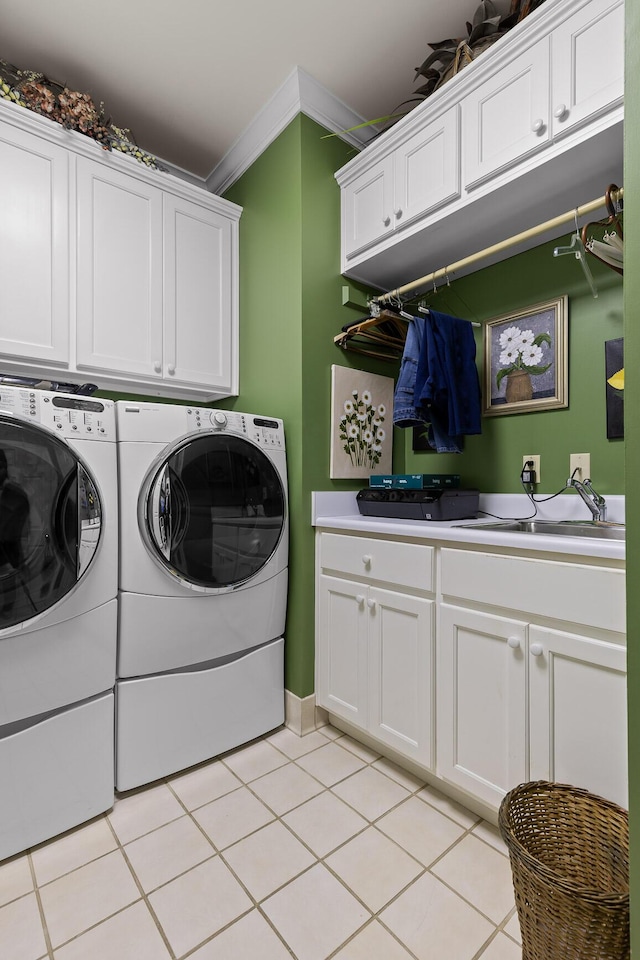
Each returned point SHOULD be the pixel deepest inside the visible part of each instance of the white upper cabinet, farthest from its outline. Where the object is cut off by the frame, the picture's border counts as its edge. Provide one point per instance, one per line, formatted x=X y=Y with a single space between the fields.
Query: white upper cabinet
x=151 y=261
x=587 y=64
x=546 y=91
x=418 y=178
x=529 y=130
x=507 y=117
x=119 y=275
x=34 y=238
x=427 y=168
x=198 y=339
x=366 y=205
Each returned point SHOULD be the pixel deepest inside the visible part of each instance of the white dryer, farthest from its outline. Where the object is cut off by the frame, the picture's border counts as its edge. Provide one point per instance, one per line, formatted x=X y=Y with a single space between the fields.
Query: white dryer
x=58 y=612
x=203 y=585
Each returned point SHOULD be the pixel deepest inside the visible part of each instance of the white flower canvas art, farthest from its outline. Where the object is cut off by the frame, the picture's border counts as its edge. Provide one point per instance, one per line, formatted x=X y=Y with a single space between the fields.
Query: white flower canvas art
x=361 y=423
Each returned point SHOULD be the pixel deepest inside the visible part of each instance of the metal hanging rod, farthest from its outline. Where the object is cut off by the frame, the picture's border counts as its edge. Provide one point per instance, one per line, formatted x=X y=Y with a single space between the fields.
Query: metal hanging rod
x=445 y=272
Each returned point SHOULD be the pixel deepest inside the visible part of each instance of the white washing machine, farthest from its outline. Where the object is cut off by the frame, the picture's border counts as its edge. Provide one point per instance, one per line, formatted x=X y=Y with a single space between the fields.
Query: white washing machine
x=58 y=612
x=203 y=585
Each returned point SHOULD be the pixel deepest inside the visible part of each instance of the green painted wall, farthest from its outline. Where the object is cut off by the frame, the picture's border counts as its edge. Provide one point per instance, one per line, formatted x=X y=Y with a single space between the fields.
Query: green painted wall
x=632 y=439
x=492 y=460
x=290 y=310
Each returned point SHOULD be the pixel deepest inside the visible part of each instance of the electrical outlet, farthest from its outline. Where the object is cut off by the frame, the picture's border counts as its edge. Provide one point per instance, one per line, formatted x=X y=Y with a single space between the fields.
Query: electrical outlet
x=536 y=464
x=582 y=463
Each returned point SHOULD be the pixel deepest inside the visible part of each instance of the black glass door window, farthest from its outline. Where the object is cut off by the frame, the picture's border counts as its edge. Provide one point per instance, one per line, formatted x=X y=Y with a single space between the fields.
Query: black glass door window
x=50 y=521
x=216 y=511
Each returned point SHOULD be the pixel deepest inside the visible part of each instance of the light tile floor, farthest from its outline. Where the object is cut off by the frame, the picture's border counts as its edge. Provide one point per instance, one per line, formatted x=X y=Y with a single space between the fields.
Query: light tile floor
x=310 y=848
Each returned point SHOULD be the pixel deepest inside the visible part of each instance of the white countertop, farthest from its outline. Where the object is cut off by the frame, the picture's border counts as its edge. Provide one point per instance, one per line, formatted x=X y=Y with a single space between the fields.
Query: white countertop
x=338 y=510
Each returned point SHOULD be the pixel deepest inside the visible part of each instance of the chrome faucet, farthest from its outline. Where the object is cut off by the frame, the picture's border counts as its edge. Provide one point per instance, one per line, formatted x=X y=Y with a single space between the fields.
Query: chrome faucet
x=593 y=500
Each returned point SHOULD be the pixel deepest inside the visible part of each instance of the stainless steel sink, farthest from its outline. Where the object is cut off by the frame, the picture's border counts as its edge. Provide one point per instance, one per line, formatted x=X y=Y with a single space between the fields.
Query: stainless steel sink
x=598 y=529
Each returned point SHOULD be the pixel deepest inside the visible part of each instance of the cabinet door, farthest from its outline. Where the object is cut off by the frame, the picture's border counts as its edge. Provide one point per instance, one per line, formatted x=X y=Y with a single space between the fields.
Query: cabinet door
x=507 y=116
x=34 y=238
x=401 y=672
x=578 y=712
x=198 y=285
x=587 y=64
x=341 y=673
x=367 y=208
x=119 y=327
x=481 y=684
x=427 y=172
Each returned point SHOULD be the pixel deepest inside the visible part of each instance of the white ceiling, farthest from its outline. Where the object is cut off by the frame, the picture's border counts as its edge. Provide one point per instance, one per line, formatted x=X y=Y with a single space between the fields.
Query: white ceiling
x=188 y=77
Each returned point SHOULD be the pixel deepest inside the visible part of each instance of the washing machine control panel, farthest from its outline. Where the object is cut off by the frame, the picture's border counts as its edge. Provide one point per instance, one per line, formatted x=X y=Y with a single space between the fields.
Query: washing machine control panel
x=265 y=431
x=66 y=414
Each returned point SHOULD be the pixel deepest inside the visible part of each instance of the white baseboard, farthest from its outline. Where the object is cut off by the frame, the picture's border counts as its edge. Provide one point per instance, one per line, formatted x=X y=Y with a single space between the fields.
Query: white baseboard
x=302 y=715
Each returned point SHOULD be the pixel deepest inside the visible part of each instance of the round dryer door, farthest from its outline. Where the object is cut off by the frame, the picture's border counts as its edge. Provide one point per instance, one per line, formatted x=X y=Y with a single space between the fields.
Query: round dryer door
x=214 y=511
x=50 y=520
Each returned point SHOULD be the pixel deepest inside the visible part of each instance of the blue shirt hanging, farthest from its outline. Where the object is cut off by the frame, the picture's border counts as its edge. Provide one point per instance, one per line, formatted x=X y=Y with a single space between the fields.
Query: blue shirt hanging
x=438 y=382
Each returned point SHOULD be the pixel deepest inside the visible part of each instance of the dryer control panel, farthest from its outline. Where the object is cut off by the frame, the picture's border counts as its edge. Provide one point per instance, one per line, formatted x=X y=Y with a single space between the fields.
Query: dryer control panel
x=69 y=415
x=265 y=431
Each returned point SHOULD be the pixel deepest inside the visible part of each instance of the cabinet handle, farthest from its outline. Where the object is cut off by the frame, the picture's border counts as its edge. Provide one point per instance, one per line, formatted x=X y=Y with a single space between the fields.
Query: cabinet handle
x=560 y=111
x=386 y=221
x=366 y=560
x=537 y=126
x=514 y=643
x=536 y=649
x=359 y=599
x=398 y=213
x=157 y=366
x=371 y=604
x=171 y=369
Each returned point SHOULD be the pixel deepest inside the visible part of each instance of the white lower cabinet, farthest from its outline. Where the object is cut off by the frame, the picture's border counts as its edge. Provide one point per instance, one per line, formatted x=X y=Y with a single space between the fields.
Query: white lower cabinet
x=401 y=672
x=481 y=718
x=485 y=668
x=342 y=655
x=521 y=702
x=374 y=655
x=578 y=712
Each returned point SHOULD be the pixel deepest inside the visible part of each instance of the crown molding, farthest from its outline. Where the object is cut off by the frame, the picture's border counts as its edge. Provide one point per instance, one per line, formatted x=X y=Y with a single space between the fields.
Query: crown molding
x=183 y=174
x=300 y=93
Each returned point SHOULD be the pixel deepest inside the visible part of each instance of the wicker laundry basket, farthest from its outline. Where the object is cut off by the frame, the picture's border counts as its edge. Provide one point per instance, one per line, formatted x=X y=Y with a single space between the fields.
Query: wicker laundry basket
x=569 y=852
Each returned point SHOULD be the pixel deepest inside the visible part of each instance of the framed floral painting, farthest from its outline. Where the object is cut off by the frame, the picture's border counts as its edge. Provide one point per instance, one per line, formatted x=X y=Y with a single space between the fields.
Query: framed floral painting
x=361 y=423
x=525 y=360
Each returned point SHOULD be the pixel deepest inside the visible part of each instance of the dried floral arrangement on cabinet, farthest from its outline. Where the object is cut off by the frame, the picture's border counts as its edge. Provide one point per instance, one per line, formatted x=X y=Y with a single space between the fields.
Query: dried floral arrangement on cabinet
x=449 y=57
x=70 y=108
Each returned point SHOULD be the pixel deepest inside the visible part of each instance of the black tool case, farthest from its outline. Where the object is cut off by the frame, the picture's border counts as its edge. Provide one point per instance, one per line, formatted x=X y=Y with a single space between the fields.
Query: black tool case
x=419 y=504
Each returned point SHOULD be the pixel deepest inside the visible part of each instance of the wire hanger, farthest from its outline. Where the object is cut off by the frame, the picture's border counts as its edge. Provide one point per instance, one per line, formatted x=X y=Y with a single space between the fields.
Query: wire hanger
x=381 y=335
x=576 y=247
x=608 y=246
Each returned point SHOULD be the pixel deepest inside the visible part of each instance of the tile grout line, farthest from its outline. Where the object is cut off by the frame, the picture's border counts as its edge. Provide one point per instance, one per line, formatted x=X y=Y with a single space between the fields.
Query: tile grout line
x=144 y=896
x=43 y=919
